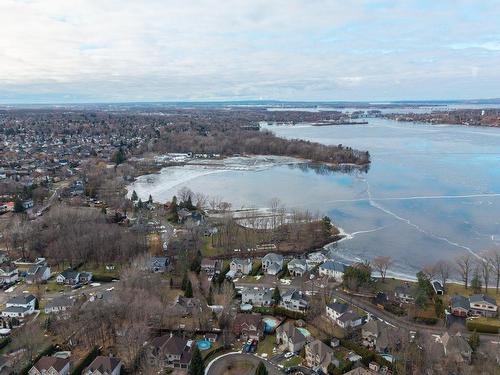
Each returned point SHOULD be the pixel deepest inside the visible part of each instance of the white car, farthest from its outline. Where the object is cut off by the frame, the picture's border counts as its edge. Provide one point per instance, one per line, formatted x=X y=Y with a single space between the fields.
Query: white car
x=288 y=355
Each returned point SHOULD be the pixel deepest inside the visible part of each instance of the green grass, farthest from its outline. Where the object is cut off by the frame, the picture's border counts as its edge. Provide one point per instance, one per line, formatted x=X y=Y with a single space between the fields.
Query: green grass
x=452 y=289
x=266 y=345
x=249 y=279
x=292 y=362
x=207 y=250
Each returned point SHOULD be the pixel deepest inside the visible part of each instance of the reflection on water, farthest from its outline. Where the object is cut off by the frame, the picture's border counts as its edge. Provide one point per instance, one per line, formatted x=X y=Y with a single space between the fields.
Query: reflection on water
x=431 y=192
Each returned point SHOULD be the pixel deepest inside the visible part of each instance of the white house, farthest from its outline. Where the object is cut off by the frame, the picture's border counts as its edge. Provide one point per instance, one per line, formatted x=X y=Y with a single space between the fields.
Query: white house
x=297 y=267
x=243 y=266
x=343 y=316
x=9 y=273
x=481 y=304
x=272 y=263
x=59 y=304
x=294 y=300
x=332 y=269
x=257 y=296
x=20 y=306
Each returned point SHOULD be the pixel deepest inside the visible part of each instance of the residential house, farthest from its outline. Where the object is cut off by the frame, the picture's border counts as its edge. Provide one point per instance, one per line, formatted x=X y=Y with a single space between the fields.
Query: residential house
x=376 y=335
x=211 y=267
x=350 y=319
x=319 y=356
x=248 y=326
x=70 y=277
x=158 y=264
x=288 y=336
x=170 y=351
x=51 y=366
x=243 y=266
x=37 y=274
x=297 y=267
x=272 y=263
x=335 y=309
x=332 y=269
x=405 y=293
x=9 y=273
x=104 y=365
x=438 y=287
x=294 y=300
x=257 y=296
x=456 y=347
x=460 y=306
x=360 y=371
x=482 y=304
x=59 y=304
x=187 y=306
x=315 y=258
x=20 y=306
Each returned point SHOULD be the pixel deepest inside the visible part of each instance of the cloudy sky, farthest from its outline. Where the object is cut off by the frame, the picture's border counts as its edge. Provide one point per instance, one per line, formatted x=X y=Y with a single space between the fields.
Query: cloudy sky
x=163 y=50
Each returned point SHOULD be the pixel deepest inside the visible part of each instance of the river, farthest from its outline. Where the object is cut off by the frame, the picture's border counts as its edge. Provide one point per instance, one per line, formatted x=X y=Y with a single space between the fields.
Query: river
x=432 y=191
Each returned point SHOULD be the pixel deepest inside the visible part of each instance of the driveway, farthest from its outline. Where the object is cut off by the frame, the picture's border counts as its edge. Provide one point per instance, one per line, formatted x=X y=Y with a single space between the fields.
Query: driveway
x=242 y=364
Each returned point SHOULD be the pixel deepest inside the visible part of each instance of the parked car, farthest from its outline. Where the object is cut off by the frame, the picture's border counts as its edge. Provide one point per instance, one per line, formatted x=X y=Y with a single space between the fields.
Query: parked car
x=288 y=355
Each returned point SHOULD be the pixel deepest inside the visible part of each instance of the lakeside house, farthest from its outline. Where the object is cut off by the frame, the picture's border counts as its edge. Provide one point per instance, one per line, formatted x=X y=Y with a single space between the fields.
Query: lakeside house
x=332 y=269
x=459 y=306
x=482 y=304
x=405 y=293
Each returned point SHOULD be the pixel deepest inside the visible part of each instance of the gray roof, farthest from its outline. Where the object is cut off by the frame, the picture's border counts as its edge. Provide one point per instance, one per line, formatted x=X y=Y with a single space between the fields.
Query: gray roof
x=349 y=316
x=273 y=257
x=21 y=300
x=460 y=302
x=339 y=308
x=482 y=298
x=333 y=266
x=15 y=309
x=243 y=262
x=60 y=301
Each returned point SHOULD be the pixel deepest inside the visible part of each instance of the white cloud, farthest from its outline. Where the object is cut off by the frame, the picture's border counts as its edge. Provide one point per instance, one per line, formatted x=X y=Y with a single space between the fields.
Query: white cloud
x=207 y=49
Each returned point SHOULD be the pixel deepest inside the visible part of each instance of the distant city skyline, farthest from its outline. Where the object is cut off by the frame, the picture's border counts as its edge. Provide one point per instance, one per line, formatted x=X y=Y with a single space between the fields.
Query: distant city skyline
x=56 y=51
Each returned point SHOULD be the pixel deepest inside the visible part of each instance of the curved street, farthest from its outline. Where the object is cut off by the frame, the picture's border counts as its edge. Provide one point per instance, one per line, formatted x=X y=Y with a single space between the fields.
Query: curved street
x=220 y=365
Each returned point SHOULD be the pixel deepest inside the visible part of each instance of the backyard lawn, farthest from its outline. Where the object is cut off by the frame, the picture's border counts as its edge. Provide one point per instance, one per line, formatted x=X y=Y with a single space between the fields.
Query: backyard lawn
x=266 y=346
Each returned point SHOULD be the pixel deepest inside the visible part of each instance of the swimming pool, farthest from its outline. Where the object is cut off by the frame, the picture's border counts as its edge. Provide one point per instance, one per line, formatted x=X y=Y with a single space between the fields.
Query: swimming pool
x=204 y=344
x=305 y=332
x=270 y=324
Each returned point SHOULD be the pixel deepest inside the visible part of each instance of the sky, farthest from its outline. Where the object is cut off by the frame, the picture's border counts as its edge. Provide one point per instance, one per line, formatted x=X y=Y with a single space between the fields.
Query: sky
x=56 y=51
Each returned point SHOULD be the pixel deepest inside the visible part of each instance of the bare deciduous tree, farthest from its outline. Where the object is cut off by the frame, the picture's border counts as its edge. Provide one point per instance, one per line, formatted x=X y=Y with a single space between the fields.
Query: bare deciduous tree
x=381 y=264
x=464 y=266
x=442 y=270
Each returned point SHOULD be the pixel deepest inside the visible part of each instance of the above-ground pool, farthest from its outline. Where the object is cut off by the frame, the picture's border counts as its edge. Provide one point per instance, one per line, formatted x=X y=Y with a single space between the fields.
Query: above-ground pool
x=204 y=344
x=246 y=307
x=270 y=324
x=305 y=332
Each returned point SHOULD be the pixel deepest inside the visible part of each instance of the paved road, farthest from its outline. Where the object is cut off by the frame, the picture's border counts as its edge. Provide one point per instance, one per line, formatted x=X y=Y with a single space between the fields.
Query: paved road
x=402 y=321
x=220 y=364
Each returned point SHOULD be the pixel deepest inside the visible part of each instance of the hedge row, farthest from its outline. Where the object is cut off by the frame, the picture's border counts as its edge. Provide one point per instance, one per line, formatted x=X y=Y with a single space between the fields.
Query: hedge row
x=481 y=327
x=103 y=278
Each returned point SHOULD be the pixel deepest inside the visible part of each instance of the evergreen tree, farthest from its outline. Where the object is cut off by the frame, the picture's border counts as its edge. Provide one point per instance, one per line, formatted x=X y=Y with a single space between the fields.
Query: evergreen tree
x=171 y=283
x=140 y=204
x=134 y=196
x=189 y=204
x=276 y=296
x=474 y=341
x=188 y=293
x=196 y=367
x=18 y=205
x=210 y=296
x=119 y=157
x=476 y=283
x=261 y=369
x=184 y=282
x=150 y=199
